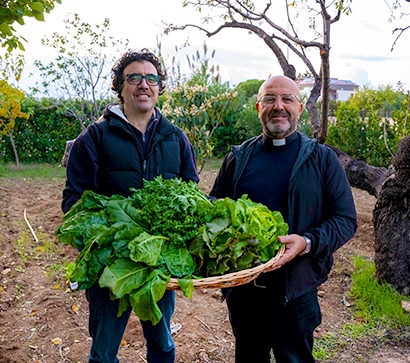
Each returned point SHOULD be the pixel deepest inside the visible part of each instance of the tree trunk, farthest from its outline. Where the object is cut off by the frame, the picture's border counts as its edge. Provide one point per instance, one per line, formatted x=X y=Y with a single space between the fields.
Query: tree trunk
x=312 y=108
x=391 y=218
x=16 y=156
x=360 y=174
x=324 y=54
x=325 y=73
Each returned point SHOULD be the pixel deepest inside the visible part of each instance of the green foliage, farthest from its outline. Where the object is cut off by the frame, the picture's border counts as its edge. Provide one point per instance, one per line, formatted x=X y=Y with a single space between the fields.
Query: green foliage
x=341 y=135
x=304 y=120
x=12 y=11
x=168 y=228
x=249 y=88
x=42 y=137
x=248 y=122
x=361 y=133
x=199 y=111
x=382 y=100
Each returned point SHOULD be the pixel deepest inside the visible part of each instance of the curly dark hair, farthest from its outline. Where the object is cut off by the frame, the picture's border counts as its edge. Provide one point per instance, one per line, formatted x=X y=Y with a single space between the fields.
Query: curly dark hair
x=144 y=55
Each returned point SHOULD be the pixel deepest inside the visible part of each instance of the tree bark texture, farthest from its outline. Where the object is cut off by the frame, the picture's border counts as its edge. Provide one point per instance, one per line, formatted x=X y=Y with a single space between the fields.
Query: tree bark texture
x=360 y=174
x=391 y=218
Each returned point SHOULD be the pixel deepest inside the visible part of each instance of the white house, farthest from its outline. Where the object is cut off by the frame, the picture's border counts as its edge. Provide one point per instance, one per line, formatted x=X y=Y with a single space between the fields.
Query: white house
x=340 y=90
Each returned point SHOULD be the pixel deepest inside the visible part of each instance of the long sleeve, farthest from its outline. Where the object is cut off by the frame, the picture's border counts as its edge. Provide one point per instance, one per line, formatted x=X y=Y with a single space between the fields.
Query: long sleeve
x=82 y=170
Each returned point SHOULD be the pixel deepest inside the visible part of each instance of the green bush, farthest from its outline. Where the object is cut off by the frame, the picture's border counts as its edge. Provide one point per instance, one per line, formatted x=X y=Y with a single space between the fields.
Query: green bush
x=41 y=138
x=368 y=137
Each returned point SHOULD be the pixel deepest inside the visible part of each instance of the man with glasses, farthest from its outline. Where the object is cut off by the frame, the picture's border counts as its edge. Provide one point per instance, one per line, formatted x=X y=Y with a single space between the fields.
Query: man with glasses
x=293 y=174
x=131 y=142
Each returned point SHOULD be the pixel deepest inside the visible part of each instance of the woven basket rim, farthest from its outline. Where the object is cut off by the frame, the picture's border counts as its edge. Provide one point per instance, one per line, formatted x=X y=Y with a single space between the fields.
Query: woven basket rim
x=231 y=279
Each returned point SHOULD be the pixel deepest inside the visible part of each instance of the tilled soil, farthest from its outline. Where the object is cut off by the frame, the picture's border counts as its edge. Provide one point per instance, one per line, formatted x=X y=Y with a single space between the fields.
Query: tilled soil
x=42 y=320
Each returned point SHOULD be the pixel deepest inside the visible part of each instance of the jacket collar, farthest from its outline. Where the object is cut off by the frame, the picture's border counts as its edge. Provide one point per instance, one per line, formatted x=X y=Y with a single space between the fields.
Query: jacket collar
x=116 y=118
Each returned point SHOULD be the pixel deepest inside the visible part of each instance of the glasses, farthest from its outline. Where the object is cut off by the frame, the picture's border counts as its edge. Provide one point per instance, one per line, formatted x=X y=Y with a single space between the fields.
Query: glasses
x=136 y=79
x=270 y=100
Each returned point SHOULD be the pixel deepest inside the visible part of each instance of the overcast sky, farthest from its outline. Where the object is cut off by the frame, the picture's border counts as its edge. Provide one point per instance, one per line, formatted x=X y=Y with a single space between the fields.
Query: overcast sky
x=360 y=43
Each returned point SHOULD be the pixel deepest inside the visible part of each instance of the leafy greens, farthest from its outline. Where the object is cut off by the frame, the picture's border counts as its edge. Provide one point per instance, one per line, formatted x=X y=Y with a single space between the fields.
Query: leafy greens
x=169 y=228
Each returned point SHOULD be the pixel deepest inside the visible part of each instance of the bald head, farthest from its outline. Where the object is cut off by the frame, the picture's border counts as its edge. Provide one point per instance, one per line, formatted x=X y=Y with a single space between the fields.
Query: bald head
x=283 y=85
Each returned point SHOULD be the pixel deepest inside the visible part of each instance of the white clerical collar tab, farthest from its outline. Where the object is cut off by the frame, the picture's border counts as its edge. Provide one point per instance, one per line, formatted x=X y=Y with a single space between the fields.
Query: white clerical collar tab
x=278 y=142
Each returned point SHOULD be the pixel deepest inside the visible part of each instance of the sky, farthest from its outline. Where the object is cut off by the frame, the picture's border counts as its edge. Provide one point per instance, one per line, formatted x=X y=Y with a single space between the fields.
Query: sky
x=360 y=42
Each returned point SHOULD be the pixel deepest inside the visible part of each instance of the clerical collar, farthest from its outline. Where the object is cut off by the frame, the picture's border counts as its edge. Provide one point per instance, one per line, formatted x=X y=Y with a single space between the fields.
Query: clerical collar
x=278 y=142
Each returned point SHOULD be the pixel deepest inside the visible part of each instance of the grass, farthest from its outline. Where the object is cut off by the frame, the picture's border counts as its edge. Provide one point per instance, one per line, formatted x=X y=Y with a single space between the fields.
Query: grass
x=51 y=171
x=32 y=171
x=211 y=164
x=375 y=301
x=379 y=315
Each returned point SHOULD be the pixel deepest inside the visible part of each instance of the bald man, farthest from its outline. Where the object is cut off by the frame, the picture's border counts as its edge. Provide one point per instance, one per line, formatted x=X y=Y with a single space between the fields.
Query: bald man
x=295 y=175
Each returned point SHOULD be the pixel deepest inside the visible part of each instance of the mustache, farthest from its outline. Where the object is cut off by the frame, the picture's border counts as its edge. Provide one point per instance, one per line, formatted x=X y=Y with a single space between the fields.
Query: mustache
x=275 y=113
x=142 y=93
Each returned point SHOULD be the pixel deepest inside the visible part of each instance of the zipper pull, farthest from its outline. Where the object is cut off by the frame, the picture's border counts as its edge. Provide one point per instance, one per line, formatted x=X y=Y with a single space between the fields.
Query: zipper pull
x=144 y=166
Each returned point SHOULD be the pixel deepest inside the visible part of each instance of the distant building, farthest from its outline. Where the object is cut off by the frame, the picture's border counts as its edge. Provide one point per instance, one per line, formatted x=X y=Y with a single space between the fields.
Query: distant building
x=340 y=90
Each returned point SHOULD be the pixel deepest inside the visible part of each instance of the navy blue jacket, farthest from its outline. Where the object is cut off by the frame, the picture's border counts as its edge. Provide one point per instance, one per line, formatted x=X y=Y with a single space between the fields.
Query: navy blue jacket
x=108 y=158
x=320 y=205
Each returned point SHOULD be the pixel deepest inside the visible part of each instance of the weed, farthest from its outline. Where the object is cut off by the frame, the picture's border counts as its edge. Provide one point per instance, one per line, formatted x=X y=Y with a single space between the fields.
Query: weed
x=48 y=247
x=68 y=270
x=22 y=246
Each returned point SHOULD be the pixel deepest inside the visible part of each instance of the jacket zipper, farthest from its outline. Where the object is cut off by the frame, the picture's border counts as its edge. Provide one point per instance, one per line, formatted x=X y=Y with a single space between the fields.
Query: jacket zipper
x=144 y=163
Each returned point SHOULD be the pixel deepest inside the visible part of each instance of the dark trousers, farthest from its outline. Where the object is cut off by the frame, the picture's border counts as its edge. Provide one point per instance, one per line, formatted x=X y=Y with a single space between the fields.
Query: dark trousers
x=107 y=330
x=261 y=322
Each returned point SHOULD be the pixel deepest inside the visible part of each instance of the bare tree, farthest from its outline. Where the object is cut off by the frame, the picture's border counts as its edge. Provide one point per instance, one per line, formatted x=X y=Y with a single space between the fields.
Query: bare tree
x=243 y=14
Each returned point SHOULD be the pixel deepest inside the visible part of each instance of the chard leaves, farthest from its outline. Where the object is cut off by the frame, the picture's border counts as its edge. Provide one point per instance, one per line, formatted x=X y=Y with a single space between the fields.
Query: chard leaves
x=168 y=228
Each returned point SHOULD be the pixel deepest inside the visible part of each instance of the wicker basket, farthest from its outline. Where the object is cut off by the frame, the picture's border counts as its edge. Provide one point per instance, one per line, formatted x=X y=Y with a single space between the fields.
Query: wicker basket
x=232 y=279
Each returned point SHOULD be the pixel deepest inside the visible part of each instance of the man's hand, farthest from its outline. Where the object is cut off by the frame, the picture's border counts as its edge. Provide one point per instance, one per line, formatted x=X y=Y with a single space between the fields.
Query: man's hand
x=294 y=244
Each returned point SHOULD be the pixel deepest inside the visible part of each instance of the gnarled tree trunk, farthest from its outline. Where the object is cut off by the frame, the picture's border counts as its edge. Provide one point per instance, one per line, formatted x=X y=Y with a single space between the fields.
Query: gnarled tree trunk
x=360 y=174
x=391 y=218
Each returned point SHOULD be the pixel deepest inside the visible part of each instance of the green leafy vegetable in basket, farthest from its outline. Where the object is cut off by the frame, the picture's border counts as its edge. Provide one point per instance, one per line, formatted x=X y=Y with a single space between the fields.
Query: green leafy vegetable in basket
x=167 y=229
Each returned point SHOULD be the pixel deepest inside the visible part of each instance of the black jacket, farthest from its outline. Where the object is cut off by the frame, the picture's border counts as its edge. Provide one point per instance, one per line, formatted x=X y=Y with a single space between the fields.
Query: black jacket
x=108 y=159
x=320 y=205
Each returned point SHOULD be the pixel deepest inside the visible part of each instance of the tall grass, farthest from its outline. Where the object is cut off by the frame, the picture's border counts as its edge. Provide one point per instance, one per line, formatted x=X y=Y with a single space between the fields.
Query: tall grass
x=32 y=171
x=376 y=302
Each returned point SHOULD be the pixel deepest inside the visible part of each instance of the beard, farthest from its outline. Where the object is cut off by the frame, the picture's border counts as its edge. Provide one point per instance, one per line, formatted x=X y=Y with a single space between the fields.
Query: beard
x=279 y=129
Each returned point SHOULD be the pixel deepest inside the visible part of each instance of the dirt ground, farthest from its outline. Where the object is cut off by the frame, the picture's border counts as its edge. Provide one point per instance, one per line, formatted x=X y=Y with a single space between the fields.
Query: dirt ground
x=42 y=320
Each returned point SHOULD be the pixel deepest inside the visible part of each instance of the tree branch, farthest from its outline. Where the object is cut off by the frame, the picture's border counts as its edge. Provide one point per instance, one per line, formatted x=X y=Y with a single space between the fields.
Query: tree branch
x=401 y=32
